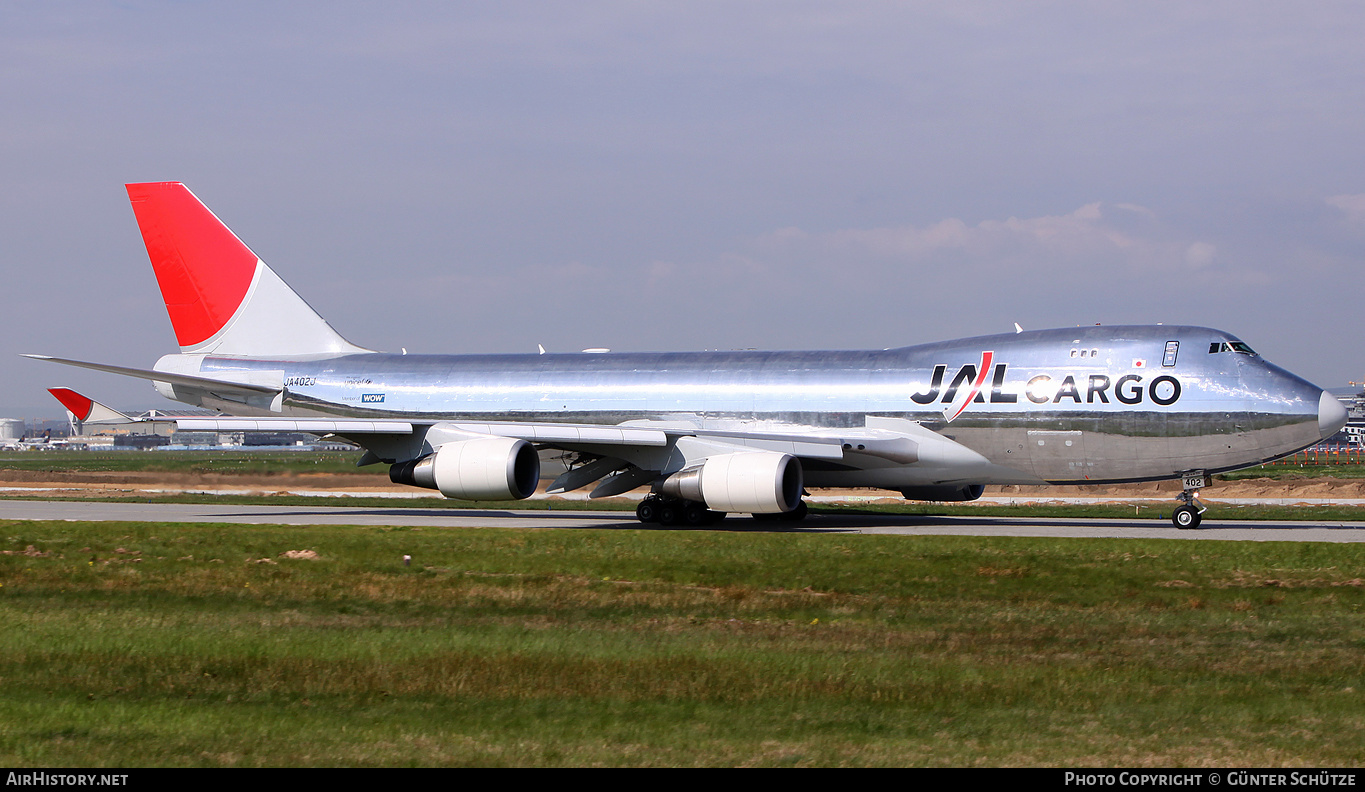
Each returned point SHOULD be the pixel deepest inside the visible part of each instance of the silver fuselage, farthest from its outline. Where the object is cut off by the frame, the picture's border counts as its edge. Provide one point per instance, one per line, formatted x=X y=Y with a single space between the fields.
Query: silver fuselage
x=1089 y=404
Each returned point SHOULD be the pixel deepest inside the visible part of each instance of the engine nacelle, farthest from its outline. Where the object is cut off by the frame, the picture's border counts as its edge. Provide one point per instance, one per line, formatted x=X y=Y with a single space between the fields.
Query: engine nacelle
x=944 y=492
x=485 y=468
x=757 y=482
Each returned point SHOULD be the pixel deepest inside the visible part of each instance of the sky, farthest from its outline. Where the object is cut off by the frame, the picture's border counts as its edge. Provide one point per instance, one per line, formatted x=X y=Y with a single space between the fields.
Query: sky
x=455 y=177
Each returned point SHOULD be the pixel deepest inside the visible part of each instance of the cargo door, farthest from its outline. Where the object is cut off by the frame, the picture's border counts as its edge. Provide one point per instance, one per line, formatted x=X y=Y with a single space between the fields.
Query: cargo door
x=1058 y=455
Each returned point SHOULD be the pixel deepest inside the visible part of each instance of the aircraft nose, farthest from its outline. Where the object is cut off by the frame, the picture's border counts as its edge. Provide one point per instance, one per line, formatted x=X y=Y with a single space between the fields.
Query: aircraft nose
x=1331 y=415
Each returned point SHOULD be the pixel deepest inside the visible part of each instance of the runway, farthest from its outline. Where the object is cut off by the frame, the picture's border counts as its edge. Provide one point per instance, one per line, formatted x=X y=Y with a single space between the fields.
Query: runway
x=909 y=525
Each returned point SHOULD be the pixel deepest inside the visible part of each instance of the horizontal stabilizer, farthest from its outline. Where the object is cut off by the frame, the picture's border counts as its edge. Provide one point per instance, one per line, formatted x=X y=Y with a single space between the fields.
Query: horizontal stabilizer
x=162 y=376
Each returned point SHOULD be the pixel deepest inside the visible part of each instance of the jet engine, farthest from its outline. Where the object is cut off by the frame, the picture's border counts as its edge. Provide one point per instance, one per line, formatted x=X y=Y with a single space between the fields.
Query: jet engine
x=757 y=482
x=485 y=468
x=944 y=492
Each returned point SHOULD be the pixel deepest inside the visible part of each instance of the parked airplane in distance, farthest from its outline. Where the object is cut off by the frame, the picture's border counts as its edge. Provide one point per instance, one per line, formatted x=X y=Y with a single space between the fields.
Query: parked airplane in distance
x=718 y=432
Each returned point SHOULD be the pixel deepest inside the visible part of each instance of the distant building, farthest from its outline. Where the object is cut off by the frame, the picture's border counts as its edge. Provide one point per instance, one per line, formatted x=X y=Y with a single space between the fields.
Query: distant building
x=1354 y=431
x=11 y=429
x=140 y=441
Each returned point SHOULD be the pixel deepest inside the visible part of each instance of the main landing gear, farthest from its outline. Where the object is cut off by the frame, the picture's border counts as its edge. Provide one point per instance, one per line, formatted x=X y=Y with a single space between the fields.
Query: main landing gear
x=1190 y=512
x=673 y=511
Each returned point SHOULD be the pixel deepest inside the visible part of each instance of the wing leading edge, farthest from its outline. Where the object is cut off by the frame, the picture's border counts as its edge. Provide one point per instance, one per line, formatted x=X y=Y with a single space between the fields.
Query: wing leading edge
x=620 y=457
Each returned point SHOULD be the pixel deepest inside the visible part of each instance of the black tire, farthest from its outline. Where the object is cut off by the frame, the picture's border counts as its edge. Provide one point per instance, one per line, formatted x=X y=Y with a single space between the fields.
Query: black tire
x=670 y=514
x=695 y=514
x=647 y=511
x=1186 y=517
x=798 y=514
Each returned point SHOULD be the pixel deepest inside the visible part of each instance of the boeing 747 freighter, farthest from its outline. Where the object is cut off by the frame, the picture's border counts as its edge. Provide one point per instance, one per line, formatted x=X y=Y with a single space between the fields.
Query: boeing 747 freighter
x=717 y=432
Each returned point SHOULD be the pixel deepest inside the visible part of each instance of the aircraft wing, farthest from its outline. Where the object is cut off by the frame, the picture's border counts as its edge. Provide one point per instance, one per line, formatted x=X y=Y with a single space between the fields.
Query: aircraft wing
x=882 y=441
x=620 y=457
x=540 y=433
x=312 y=425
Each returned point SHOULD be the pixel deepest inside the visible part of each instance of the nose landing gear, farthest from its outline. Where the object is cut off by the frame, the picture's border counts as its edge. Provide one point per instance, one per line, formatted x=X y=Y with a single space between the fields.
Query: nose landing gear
x=1190 y=512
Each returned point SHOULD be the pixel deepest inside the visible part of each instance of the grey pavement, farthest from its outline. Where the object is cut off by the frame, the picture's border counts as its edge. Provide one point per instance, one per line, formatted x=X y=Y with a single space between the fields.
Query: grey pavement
x=908 y=525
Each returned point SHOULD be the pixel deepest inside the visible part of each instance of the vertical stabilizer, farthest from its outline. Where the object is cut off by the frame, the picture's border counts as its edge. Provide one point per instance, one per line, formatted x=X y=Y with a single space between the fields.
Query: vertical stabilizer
x=86 y=410
x=221 y=298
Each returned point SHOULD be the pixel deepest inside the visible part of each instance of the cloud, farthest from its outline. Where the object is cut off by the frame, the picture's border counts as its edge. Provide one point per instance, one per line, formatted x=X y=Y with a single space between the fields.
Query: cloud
x=1134 y=208
x=1200 y=255
x=883 y=285
x=1353 y=206
x=1051 y=242
x=904 y=241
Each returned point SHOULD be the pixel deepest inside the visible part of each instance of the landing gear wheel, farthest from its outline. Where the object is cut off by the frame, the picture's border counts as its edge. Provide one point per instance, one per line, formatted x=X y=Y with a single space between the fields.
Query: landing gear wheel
x=647 y=511
x=696 y=515
x=1186 y=517
x=671 y=513
x=1187 y=514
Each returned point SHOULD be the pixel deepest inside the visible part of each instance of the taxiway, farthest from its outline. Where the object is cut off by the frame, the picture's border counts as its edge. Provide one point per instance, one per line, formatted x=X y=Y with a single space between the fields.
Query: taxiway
x=905 y=525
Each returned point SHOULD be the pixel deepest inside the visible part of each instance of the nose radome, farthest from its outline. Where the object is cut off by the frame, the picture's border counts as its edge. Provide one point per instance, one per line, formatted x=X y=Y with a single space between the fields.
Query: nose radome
x=1331 y=415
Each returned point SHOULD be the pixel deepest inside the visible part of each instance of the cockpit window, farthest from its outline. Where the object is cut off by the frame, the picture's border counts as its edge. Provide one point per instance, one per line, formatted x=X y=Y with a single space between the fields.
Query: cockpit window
x=1230 y=346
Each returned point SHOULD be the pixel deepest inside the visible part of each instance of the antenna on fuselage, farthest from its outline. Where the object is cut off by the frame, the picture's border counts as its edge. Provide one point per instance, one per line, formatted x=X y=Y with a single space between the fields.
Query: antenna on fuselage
x=1017 y=328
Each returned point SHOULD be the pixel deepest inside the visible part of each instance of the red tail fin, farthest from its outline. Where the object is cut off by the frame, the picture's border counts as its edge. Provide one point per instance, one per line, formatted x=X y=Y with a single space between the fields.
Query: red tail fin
x=78 y=405
x=222 y=299
x=86 y=409
x=203 y=269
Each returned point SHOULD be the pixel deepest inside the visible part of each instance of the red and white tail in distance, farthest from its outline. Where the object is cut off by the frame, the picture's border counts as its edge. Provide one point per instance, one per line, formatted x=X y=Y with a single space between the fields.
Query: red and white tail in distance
x=87 y=410
x=221 y=297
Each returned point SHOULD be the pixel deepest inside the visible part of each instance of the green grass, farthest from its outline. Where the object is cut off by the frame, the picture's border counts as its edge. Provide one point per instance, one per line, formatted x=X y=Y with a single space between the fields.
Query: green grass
x=1303 y=466
x=140 y=644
